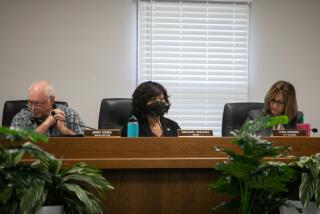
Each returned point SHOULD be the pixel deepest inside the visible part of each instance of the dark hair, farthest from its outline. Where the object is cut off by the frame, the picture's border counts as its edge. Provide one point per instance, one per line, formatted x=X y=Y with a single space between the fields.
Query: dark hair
x=289 y=95
x=143 y=94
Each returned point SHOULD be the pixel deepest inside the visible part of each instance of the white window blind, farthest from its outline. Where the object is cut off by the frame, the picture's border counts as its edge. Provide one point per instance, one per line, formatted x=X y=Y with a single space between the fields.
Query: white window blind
x=199 y=51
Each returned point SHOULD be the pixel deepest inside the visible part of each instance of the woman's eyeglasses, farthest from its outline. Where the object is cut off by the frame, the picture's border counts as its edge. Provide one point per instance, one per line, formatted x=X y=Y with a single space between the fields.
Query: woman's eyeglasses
x=278 y=102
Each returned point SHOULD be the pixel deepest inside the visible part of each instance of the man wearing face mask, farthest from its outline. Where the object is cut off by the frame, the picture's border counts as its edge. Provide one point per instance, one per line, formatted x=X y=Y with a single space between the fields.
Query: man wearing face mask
x=149 y=104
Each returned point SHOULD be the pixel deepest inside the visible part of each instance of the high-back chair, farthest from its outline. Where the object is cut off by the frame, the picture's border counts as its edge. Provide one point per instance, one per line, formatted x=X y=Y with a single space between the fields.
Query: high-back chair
x=235 y=114
x=114 y=112
x=12 y=107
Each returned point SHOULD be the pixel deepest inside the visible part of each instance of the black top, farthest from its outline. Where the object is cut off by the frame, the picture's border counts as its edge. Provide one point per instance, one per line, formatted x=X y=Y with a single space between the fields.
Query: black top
x=253 y=114
x=169 y=128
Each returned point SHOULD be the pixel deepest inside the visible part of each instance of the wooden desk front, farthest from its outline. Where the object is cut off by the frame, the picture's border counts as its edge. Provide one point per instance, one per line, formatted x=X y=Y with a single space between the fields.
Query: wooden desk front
x=160 y=175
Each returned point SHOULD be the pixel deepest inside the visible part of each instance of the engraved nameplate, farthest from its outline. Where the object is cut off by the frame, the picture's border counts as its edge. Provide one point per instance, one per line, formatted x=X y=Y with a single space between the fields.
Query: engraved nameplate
x=194 y=133
x=289 y=132
x=102 y=133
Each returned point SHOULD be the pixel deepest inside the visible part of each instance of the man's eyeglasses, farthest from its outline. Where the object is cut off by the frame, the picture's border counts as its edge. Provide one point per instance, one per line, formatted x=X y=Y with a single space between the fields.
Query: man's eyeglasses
x=278 y=102
x=36 y=104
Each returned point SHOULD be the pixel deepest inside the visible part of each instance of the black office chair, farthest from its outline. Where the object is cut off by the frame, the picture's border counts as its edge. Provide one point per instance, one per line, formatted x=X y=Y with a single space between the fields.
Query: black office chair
x=114 y=112
x=12 y=107
x=235 y=114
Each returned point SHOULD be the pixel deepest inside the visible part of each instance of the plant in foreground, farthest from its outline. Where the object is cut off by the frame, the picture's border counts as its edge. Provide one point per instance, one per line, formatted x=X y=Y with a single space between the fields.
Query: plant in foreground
x=254 y=183
x=309 y=188
x=25 y=187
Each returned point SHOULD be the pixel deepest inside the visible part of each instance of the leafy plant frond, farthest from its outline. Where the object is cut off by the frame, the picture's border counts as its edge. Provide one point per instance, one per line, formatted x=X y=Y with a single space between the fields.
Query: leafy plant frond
x=96 y=182
x=14 y=157
x=35 y=151
x=22 y=134
x=310 y=178
x=85 y=197
x=38 y=195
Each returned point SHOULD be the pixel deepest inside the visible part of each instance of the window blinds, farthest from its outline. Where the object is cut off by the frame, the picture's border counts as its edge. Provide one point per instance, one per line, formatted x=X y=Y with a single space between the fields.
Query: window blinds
x=199 y=51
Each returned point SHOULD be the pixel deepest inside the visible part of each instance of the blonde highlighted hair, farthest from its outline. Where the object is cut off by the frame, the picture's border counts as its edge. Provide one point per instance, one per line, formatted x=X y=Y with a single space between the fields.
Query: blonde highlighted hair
x=289 y=95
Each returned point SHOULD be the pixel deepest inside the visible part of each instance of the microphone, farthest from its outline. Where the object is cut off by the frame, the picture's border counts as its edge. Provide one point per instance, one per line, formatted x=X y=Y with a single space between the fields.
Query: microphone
x=52 y=113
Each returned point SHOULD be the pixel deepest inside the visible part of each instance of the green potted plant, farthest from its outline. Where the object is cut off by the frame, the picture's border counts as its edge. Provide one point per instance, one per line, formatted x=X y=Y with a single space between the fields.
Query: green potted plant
x=254 y=185
x=308 y=168
x=20 y=181
x=25 y=187
x=73 y=186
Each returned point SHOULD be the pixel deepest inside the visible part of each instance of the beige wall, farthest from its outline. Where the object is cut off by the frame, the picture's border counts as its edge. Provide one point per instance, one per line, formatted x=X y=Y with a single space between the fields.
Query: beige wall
x=87 y=49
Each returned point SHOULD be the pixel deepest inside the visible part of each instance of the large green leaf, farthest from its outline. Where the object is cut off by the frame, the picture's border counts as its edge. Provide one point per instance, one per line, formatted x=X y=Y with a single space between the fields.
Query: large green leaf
x=310 y=179
x=51 y=164
x=38 y=195
x=272 y=121
x=14 y=156
x=81 y=168
x=91 y=203
x=317 y=157
x=22 y=134
x=307 y=188
x=97 y=182
x=36 y=151
x=72 y=206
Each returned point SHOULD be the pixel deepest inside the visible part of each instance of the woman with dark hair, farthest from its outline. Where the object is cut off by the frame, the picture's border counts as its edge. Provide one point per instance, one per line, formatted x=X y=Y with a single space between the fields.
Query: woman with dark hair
x=280 y=100
x=150 y=102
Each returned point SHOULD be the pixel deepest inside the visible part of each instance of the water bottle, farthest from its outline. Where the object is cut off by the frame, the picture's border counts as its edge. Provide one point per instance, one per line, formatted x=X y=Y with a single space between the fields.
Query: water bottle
x=133 y=127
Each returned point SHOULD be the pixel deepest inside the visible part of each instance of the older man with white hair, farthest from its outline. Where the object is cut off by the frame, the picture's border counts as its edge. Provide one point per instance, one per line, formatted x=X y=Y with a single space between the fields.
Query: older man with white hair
x=45 y=116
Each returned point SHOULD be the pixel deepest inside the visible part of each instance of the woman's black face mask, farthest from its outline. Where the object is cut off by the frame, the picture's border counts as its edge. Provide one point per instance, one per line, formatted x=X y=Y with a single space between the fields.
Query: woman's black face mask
x=157 y=108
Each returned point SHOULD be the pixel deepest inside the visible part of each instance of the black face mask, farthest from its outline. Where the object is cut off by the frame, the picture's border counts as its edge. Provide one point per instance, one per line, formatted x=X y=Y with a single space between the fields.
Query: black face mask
x=157 y=108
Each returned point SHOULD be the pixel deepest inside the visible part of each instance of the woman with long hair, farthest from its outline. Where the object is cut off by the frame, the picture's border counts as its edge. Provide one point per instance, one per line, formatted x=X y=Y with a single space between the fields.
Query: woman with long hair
x=280 y=100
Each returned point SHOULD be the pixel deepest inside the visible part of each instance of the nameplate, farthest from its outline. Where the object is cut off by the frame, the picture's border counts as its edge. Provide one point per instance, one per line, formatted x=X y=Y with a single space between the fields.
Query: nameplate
x=102 y=133
x=194 y=133
x=289 y=132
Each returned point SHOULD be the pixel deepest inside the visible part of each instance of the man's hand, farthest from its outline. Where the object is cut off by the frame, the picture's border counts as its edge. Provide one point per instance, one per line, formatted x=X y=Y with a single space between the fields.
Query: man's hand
x=59 y=117
x=46 y=124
